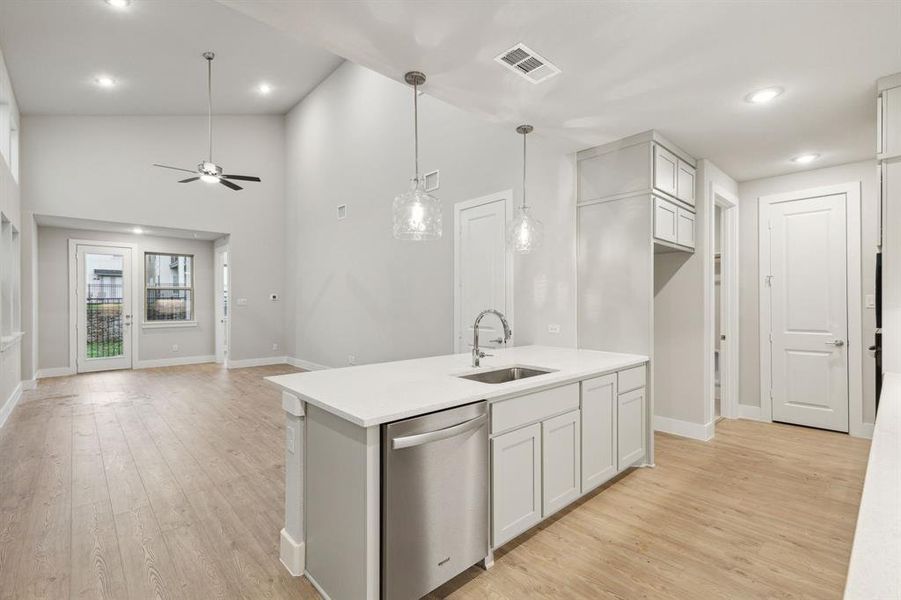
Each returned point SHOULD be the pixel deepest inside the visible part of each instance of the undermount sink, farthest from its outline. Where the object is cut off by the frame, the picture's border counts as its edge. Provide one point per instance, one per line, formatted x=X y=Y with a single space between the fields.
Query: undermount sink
x=505 y=375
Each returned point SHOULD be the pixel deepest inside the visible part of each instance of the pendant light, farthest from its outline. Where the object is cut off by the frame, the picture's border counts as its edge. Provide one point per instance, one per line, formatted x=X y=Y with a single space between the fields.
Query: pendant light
x=525 y=232
x=417 y=214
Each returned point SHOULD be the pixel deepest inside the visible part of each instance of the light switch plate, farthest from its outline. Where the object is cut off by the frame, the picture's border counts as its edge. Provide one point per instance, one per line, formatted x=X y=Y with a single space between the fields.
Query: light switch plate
x=553 y=328
x=870 y=301
x=241 y=301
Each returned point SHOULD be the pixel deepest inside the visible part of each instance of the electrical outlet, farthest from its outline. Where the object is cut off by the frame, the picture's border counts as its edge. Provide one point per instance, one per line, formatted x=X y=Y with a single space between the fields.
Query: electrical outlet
x=289 y=438
x=351 y=359
x=553 y=328
x=175 y=347
x=275 y=346
x=241 y=301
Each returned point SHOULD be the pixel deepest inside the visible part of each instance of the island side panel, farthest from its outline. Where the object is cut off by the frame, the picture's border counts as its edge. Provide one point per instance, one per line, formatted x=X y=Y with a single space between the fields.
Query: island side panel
x=342 y=511
x=291 y=547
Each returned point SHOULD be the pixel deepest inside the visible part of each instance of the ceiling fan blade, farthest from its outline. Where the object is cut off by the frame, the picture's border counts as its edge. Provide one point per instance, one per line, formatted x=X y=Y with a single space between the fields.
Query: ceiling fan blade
x=175 y=168
x=242 y=177
x=189 y=180
x=231 y=185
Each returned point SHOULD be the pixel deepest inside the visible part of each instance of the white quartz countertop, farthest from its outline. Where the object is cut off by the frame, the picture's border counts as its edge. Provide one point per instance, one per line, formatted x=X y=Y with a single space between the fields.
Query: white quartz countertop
x=370 y=395
x=875 y=568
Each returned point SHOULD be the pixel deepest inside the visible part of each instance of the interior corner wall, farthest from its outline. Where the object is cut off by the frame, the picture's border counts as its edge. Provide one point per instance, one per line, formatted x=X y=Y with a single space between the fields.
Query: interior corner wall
x=356 y=290
x=102 y=170
x=196 y=342
x=680 y=312
x=749 y=192
x=10 y=358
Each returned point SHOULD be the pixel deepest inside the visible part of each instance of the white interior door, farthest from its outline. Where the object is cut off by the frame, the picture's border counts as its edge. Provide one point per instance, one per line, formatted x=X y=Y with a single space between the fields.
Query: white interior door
x=222 y=307
x=482 y=270
x=809 y=311
x=104 y=308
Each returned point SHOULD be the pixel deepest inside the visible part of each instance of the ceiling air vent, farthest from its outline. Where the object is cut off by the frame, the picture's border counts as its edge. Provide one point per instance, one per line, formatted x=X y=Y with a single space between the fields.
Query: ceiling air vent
x=527 y=63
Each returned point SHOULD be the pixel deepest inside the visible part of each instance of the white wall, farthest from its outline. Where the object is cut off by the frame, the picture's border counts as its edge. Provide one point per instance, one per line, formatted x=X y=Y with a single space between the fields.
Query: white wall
x=100 y=168
x=749 y=192
x=153 y=344
x=356 y=290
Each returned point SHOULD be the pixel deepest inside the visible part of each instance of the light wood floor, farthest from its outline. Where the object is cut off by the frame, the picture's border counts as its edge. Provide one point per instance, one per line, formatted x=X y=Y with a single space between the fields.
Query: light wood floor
x=168 y=483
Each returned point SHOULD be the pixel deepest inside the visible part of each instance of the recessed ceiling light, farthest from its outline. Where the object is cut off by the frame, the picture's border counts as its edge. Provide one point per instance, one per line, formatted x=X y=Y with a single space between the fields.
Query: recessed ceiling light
x=804 y=159
x=765 y=95
x=119 y=3
x=264 y=89
x=105 y=81
x=137 y=230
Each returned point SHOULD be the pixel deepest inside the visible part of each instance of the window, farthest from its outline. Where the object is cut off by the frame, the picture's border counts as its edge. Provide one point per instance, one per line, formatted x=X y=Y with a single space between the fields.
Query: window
x=168 y=287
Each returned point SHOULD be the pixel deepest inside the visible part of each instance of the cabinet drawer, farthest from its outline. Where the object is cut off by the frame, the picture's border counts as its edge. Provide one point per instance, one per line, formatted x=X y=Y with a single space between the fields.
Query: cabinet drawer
x=512 y=413
x=630 y=379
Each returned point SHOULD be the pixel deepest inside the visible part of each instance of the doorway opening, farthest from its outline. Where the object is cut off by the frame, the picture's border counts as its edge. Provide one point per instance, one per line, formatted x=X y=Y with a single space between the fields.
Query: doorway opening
x=722 y=302
x=222 y=286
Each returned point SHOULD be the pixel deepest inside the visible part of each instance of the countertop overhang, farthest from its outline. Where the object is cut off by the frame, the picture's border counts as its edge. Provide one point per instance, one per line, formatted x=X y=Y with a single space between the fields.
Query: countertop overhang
x=370 y=395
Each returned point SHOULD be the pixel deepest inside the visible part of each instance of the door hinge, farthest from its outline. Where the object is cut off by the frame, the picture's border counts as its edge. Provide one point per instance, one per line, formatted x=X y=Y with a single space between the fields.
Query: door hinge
x=771 y=394
x=771 y=337
x=768 y=279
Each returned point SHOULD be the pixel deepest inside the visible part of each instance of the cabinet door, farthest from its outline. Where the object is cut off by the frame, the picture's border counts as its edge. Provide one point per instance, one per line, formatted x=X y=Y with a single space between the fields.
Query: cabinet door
x=665 y=220
x=630 y=425
x=685 y=234
x=515 y=483
x=685 y=184
x=560 y=461
x=666 y=168
x=598 y=431
x=890 y=125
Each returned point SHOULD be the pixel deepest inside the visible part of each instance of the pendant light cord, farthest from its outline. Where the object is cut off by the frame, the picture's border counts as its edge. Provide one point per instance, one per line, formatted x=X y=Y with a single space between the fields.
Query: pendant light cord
x=416 y=131
x=209 y=96
x=524 y=170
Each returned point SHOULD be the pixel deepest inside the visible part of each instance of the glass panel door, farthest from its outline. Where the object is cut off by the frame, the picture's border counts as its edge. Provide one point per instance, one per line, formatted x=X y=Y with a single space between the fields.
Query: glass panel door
x=104 y=308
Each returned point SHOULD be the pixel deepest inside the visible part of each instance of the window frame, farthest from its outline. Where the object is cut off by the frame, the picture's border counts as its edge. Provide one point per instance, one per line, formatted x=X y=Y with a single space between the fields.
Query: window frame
x=152 y=323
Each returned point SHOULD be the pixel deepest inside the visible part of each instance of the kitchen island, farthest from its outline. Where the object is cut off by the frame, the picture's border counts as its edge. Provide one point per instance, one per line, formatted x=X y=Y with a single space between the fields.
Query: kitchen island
x=588 y=418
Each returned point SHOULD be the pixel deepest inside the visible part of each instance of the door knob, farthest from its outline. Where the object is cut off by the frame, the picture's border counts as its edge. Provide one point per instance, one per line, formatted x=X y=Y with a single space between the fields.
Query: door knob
x=838 y=343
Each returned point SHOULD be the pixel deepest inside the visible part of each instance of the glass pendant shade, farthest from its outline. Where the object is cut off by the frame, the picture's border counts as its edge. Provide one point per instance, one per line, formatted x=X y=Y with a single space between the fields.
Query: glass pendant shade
x=417 y=214
x=525 y=233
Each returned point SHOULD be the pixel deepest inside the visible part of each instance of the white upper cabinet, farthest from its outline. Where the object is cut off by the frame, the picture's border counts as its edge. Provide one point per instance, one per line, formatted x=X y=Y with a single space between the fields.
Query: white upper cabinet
x=666 y=170
x=888 y=130
x=685 y=183
x=665 y=220
x=685 y=228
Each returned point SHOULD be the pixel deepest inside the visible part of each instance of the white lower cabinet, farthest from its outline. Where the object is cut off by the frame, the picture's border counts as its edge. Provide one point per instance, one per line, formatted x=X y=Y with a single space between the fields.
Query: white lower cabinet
x=515 y=483
x=560 y=458
x=630 y=427
x=598 y=431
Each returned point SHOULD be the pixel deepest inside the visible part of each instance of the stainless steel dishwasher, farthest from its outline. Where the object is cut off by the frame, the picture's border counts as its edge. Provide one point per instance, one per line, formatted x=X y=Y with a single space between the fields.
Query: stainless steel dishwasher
x=434 y=499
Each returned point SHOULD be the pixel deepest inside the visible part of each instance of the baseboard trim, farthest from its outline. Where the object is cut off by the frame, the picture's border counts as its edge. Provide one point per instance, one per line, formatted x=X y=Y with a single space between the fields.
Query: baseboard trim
x=173 y=362
x=752 y=413
x=292 y=554
x=305 y=364
x=687 y=429
x=257 y=362
x=316 y=585
x=10 y=404
x=862 y=430
x=54 y=372
x=29 y=384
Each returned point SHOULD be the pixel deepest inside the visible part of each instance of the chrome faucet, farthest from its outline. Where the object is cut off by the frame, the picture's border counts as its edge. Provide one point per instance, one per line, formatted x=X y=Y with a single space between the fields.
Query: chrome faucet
x=478 y=354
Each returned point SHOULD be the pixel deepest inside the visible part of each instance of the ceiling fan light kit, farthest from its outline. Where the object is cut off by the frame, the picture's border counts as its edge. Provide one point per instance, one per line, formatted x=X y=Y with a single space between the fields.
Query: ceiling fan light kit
x=208 y=171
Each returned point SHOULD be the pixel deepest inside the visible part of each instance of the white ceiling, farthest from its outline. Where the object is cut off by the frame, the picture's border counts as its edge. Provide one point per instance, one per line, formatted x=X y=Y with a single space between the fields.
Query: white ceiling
x=114 y=227
x=55 y=48
x=682 y=68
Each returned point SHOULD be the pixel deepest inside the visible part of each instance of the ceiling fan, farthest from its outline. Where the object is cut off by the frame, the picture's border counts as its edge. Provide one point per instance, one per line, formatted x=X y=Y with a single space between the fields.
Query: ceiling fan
x=207 y=170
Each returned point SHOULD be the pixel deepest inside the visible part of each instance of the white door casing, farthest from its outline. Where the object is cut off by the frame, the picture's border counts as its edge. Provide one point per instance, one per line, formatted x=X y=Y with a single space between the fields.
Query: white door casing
x=221 y=304
x=810 y=245
x=809 y=313
x=104 y=309
x=483 y=268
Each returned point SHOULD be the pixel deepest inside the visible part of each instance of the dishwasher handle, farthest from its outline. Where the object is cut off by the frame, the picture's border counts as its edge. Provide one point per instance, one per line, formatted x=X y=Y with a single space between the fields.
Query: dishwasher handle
x=439 y=434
